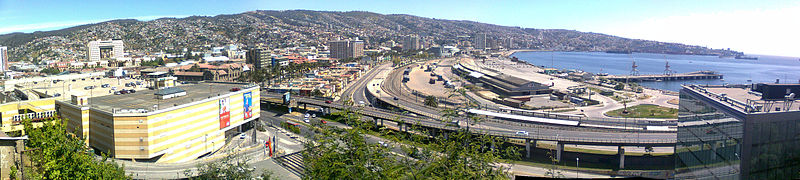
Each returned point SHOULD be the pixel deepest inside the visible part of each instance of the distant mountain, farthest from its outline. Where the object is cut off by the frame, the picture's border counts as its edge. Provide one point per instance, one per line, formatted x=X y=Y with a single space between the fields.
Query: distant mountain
x=295 y=27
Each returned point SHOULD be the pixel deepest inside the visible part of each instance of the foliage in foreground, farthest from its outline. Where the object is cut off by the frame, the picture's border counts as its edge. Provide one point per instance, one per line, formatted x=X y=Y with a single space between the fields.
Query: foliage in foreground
x=233 y=167
x=55 y=154
x=346 y=154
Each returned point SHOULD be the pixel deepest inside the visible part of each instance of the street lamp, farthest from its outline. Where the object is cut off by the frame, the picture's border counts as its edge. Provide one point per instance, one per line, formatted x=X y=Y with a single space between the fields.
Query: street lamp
x=577 y=163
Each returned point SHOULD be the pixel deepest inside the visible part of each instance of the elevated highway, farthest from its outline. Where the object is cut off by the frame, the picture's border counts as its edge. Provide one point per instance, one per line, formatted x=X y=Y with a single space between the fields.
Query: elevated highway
x=567 y=135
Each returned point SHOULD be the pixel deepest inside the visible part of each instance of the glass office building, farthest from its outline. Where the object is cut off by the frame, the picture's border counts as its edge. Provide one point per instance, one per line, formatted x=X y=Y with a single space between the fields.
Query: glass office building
x=733 y=132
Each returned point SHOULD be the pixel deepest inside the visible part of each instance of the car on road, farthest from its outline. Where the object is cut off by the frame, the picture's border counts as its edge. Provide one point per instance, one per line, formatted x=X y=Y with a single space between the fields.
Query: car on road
x=307 y=115
x=327 y=102
x=323 y=121
x=522 y=133
x=453 y=123
x=306 y=120
x=243 y=136
x=105 y=85
x=361 y=103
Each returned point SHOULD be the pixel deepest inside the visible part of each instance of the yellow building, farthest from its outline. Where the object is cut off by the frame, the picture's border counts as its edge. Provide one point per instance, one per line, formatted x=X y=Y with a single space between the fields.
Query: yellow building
x=12 y=113
x=174 y=124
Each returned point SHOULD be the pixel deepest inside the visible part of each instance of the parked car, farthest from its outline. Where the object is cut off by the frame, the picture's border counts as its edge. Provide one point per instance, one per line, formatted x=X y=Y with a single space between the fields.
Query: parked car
x=235 y=89
x=327 y=102
x=522 y=133
x=105 y=85
x=243 y=136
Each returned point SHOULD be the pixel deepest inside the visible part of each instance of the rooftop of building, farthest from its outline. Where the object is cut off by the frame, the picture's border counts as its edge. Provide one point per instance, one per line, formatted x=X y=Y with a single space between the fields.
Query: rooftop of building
x=145 y=100
x=747 y=99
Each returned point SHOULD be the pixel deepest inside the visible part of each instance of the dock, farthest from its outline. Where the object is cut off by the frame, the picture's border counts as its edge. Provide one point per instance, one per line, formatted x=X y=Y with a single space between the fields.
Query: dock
x=666 y=77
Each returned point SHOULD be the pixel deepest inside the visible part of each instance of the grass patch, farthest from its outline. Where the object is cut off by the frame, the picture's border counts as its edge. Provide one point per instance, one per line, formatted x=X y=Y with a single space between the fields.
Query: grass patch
x=645 y=111
x=620 y=99
x=643 y=97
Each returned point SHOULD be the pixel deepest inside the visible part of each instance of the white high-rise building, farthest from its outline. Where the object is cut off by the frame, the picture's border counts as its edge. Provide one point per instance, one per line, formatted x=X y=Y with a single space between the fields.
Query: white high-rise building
x=3 y=59
x=105 y=50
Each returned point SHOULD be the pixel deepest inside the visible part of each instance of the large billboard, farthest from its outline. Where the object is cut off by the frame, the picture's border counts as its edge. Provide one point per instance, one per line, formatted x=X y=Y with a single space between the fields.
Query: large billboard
x=248 y=105
x=224 y=113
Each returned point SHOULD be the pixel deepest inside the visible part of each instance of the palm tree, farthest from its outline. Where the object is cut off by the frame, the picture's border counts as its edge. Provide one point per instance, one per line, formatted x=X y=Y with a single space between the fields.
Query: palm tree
x=431 y=101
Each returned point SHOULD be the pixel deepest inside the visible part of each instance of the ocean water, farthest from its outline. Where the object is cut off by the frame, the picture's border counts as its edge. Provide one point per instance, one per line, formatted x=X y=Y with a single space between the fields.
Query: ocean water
x=735 y=71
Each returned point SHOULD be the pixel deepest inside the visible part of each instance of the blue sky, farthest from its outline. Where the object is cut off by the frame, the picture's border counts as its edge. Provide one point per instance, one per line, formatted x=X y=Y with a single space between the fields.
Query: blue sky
x=757 y=27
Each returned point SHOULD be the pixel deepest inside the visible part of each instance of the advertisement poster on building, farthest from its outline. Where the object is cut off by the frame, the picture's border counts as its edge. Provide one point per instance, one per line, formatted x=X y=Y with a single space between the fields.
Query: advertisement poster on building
x=248 y=105
x=224 y=113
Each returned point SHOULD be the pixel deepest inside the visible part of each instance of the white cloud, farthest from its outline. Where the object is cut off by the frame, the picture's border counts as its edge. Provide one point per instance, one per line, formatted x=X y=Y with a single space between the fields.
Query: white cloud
x=772 y=32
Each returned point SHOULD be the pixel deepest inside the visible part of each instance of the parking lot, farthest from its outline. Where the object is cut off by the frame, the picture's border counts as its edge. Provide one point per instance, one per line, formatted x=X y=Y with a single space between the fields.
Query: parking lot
x=68 y=87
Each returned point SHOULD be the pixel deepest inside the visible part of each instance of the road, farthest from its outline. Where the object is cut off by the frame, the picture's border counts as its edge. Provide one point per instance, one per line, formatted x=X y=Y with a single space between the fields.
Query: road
x=393 y=87
x=356 y=89
x=566 y=134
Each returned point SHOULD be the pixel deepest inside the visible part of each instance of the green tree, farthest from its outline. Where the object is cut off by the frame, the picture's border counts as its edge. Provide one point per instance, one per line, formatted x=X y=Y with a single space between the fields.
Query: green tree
x=317 y=93
x=55 y=154
x=431 y=101
x=619 y=86
x=233 y=167
x=50 y=71
x=188 y=54
x=345 y=154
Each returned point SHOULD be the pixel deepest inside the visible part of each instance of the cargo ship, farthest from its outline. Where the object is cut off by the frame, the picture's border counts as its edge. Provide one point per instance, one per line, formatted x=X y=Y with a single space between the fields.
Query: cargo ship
x=619 y=51
x=746 y=57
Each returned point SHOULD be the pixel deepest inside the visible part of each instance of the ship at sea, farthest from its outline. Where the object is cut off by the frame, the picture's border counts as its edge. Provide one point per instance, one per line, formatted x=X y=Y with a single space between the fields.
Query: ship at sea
x=619 y=51
x=746 y=57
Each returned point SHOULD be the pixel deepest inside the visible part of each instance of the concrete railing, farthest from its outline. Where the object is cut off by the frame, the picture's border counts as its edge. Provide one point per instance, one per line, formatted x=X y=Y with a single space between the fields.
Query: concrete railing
x=34 y=116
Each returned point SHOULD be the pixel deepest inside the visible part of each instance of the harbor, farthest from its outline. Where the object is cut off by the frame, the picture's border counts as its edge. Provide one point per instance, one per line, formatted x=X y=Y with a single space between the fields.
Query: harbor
x=684 y=69
x=666 y=77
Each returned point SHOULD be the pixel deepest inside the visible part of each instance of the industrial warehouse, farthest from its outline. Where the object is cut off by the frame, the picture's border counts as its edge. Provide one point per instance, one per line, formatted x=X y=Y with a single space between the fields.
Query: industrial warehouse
x=165 y=124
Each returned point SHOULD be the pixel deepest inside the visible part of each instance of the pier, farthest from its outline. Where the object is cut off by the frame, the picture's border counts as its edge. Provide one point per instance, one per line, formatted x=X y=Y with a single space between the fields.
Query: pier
x=666 y=77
